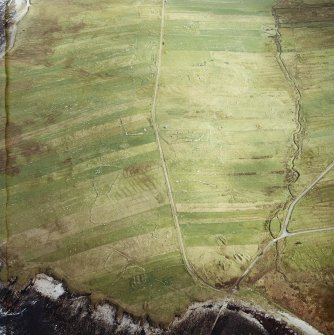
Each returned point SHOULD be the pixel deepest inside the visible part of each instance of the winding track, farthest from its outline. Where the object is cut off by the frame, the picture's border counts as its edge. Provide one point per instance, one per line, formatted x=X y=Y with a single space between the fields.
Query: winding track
x=187 y=264
x=284 y=231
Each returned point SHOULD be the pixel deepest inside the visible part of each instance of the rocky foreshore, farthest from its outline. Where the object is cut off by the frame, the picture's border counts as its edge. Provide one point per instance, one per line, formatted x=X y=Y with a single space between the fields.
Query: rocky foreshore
x=46 y=307
x=11 y=13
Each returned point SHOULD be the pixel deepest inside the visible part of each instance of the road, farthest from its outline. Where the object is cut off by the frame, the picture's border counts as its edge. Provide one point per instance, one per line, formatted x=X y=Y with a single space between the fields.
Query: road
x=187 y=264
x=284 y=233
x=284 y=229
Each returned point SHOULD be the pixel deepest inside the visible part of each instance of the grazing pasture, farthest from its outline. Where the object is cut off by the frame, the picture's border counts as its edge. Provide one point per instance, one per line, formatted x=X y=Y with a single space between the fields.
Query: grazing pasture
x=150 y=150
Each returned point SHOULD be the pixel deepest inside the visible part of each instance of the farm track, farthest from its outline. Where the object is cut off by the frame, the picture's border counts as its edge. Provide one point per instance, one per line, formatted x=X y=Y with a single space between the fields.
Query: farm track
x=284 y=231
x=296 y=140
x=187 y=264
x=285 y=226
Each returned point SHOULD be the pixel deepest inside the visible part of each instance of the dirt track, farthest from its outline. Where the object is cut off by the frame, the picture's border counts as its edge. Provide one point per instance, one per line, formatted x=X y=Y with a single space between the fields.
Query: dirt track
x=284 y=231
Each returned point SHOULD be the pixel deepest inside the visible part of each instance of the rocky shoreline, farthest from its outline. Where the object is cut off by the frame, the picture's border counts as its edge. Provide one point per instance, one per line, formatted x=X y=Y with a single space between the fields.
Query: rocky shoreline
x=46 y=307
x=11 y=13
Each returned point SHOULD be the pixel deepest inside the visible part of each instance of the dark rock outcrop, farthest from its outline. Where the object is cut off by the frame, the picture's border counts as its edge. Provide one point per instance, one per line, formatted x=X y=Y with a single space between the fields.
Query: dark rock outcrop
x=45 y=307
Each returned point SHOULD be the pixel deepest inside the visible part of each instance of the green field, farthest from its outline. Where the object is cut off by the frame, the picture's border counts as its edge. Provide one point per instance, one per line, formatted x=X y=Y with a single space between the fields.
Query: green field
x=222 y=96
x=298 y=272
x=317 y=209
x=152 y=148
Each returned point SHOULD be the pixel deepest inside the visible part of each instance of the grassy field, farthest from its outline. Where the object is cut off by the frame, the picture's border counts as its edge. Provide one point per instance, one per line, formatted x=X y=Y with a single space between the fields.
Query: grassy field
x=298 y=273
x=84 y=193
x=301 y=279
x=307 y=44
x=221 y=103
x=87 y=199
x=317 y=209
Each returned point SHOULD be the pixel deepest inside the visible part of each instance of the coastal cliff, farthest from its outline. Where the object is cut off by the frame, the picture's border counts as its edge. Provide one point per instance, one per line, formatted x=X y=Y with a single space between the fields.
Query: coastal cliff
x=46 y=307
